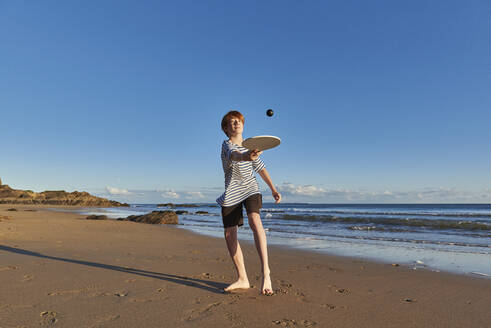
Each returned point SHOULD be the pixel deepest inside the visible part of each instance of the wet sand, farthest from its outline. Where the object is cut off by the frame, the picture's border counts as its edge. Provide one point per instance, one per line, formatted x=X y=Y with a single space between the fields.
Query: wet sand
x=58 y=269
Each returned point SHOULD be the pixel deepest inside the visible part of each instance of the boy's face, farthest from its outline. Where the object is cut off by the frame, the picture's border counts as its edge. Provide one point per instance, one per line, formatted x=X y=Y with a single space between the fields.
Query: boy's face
x=234 y=126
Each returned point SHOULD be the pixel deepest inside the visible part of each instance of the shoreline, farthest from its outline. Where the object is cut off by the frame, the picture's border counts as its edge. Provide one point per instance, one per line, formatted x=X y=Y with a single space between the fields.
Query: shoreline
x=285 y=247
x=408 y=264
x=123 y=274
x=415 y=257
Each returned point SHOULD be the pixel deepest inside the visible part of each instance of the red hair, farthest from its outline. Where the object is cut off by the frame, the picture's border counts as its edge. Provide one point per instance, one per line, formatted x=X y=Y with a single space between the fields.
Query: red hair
x=230 y=115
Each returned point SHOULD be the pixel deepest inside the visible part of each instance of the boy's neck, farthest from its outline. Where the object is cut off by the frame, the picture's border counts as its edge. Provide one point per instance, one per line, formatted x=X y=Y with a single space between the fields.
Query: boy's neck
x=237 y=139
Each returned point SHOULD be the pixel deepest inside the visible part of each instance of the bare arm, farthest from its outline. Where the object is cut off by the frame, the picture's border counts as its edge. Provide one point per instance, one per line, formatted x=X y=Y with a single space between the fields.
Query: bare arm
x=251 y=155
x=265 y=176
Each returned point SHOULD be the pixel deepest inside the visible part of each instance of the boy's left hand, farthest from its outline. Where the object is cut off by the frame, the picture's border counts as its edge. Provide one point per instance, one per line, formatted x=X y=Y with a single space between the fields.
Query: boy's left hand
x=276 y=196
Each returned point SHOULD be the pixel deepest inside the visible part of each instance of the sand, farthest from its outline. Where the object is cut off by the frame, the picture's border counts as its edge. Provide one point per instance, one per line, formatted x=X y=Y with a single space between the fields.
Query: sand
x=58 y=269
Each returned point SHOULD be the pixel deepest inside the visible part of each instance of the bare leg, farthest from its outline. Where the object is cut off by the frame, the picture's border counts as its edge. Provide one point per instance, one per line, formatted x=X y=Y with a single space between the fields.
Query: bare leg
x=236 y=254
x=262 y=249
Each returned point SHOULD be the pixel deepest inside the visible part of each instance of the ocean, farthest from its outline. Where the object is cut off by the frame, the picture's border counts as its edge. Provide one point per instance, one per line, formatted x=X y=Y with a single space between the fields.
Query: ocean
x=440 y=237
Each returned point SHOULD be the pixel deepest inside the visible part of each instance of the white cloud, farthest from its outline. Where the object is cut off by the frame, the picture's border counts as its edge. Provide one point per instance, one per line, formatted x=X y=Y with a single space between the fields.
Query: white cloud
x=170 y=194
x=205 y=194
x=307 y=190
x=117 y=191
x=181 y=194
x=313 y=193
x=194 y=194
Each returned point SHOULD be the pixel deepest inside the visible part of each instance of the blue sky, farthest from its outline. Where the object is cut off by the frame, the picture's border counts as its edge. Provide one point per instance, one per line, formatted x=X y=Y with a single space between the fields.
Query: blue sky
x=375 y=101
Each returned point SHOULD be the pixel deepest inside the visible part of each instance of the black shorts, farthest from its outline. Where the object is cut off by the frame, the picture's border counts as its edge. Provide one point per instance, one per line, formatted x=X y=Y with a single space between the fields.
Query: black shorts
x=232 y=215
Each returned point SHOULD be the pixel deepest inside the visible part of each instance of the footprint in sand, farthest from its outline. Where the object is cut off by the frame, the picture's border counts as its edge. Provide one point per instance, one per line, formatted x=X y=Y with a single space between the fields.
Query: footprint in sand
x=235 y=320
x=73 y=292
x=161 y=289
x=100 y=321
x=141 y=300
x=233 y=298
x=101 y=294
x=65 y=292
x=10 y=267
x=283 y=287
x=121 y=294
x=313 y=266
x=328 y=306
x=334 y=307
x=203 y=311
x=220 y=259
x=204 y=275
x=294 y=323
x=27 y=277
x=48 y=318
x=301 y=297
x=343 y=291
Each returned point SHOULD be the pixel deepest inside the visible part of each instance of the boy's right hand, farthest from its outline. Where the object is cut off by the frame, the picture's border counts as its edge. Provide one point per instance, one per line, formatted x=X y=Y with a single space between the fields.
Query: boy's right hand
x=252 y=155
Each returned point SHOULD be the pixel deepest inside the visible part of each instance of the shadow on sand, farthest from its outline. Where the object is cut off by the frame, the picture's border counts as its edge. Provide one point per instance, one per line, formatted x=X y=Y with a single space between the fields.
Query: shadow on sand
x=211 y=286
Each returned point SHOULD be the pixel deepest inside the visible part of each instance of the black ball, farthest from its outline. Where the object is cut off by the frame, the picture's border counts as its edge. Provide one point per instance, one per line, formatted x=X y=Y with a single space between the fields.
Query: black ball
x=269 y=112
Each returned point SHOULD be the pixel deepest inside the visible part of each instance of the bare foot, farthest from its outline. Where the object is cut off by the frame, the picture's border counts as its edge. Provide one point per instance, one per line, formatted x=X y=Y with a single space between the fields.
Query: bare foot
x=239 y=284
x=267 y=289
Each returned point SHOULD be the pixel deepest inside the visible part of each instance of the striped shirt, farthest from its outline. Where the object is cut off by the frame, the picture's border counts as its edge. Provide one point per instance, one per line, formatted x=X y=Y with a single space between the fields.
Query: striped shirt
x=240 y=181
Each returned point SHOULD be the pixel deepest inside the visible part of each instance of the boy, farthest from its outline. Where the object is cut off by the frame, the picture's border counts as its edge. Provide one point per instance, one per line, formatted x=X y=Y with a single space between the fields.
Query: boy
x=241 y=189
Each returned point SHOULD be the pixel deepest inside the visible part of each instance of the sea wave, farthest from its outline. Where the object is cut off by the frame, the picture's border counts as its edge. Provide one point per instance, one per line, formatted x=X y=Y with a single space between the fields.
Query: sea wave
x=485 y=215
x=376 y=228
x=386 y=239
x=440 y=224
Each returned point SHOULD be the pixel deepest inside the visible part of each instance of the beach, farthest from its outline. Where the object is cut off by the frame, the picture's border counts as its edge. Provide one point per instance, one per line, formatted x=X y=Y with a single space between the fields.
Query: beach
x=441 y=237
x=58 y=269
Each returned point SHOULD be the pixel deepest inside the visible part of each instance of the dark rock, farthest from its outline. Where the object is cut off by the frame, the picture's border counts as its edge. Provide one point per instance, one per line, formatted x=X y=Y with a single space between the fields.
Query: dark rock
x=177 y=205
x=156 y=217
x=182 y=212
x=53 y=197
x=12 y=210
x=202 y=212
x=166 y=205
x=96 y=217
